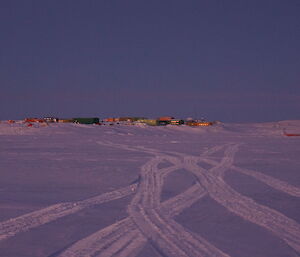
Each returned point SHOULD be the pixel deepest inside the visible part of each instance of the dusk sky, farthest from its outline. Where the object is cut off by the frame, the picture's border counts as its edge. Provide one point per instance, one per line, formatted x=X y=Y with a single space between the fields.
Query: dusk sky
x=233 y=61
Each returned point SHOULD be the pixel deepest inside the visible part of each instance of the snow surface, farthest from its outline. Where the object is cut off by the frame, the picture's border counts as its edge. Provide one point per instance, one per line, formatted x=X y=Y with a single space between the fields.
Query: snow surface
x=88 y=190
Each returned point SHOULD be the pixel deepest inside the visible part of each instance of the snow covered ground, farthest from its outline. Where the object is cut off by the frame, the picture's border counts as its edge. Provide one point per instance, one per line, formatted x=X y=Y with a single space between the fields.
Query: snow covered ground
x=86 y=190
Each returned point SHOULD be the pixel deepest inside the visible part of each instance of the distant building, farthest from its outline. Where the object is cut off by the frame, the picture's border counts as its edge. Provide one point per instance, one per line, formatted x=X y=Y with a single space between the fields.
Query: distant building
x=176 y=122
x=166 y=118
x=50 y=119
x=34 y=120
x=86 y=120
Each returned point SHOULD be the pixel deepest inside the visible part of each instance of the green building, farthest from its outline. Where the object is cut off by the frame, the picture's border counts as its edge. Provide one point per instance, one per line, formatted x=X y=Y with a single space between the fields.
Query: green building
x=86 y=120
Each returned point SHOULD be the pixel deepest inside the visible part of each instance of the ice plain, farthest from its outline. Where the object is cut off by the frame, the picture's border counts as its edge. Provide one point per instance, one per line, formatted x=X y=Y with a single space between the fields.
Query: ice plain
x=88 y=190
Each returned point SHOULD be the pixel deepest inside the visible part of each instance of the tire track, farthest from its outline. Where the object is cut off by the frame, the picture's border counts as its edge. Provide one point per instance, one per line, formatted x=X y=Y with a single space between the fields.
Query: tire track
x=171 y=238
x=149 y=179
x=174 y=206
x=101 y=239
x=37 y=218
x=284 y=227
x=93 y=244
x=219 y=190
x=150 y=220
x=268 y=180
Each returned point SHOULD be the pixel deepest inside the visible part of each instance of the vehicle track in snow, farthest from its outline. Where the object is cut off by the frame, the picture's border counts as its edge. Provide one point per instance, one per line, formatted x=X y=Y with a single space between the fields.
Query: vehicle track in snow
x=171 y=238
x=268 y=180
x=284 y=227
x=151 y=220
x=106 y=237
x=245 y=207
x=37 y=218
x=40 y=217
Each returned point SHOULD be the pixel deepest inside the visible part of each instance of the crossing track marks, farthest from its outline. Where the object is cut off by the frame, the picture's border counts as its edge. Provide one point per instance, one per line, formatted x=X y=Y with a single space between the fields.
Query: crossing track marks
x=284 y=227
x=171 y=238
x=150 y=220
x=37 y=218
x=107 y=239
x=270 y=181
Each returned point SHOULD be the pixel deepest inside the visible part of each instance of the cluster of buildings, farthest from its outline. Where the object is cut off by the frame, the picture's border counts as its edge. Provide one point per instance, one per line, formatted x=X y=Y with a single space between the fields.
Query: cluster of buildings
x=161 y=121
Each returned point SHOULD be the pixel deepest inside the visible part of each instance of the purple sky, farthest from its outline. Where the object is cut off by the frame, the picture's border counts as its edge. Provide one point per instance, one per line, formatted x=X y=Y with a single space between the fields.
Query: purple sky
x=233 y=61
